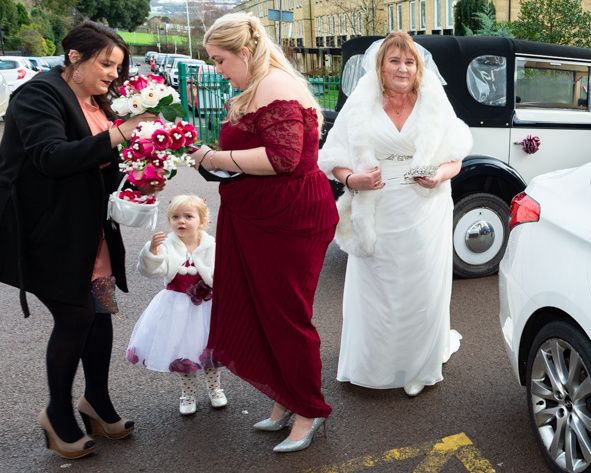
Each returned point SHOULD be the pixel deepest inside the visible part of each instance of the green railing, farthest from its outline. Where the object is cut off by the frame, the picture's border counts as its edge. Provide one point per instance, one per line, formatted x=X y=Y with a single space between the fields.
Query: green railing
x=204 y=95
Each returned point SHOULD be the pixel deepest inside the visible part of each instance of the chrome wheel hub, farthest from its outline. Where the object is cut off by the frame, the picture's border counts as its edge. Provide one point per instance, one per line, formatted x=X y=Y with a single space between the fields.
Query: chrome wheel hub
x=560 y=397
x=478 y=236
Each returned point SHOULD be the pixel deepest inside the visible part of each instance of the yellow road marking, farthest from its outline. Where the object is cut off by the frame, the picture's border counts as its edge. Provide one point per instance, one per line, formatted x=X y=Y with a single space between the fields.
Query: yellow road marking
x=437 y=454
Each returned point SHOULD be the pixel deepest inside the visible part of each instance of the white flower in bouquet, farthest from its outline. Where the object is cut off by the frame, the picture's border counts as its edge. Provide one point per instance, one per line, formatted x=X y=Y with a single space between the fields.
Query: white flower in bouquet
x=121 y=106
x=150 y=96
x=136 y=105
x=176 y=98
x=145 y=130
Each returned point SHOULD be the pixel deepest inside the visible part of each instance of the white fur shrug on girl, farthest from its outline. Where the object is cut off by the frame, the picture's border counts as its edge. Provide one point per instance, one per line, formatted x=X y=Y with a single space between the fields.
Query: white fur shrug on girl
x=440 y=137
x=173 y=253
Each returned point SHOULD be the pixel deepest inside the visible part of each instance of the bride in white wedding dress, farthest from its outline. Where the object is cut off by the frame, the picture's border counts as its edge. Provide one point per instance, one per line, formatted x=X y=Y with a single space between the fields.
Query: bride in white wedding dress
x=395 y=145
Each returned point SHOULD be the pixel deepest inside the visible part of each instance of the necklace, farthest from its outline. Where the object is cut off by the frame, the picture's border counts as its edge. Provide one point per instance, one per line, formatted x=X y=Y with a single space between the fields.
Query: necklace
x=396 y=112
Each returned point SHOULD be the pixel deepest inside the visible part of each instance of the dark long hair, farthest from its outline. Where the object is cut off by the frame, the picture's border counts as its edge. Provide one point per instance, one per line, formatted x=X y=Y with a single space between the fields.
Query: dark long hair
x=90 y=38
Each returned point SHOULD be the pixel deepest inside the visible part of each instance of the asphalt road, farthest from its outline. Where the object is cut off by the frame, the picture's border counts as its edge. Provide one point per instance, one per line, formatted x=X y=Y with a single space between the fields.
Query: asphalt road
x=475 y=420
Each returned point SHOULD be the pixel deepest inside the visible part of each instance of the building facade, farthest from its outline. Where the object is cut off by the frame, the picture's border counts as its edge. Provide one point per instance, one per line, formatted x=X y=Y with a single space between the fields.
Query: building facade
x=319 y=27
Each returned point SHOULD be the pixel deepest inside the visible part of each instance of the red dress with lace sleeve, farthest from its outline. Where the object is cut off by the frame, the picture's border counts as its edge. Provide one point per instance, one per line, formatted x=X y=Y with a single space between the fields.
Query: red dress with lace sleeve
x=272 y=236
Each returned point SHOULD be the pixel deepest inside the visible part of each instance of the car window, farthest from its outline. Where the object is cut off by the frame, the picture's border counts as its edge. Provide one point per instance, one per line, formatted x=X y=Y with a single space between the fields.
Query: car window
x=552 y=84
x=352 y=72
x=486 y=79
x=7 y=64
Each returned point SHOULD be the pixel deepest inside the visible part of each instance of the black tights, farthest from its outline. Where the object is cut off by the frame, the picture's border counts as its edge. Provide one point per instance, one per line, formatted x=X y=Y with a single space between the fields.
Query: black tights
x=78 y=333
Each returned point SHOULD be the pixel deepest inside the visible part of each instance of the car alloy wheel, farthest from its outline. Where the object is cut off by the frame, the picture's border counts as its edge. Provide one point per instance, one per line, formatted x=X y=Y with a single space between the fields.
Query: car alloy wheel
x=559 y=396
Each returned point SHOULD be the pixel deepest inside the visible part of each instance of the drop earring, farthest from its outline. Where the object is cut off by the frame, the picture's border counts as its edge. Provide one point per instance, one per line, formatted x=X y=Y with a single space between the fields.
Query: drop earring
x=77 y=76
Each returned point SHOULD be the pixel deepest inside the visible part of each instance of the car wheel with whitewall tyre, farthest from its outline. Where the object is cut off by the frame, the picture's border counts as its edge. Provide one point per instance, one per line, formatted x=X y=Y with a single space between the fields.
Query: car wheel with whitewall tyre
x=480 y=234
x=559 y=396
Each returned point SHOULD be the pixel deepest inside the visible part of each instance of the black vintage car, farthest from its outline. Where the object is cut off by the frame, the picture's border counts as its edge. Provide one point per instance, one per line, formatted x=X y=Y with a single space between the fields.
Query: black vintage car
x=527 y=106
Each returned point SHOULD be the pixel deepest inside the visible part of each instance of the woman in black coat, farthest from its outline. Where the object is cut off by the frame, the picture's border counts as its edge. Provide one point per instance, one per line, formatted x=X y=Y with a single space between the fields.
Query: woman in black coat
x=58 y=165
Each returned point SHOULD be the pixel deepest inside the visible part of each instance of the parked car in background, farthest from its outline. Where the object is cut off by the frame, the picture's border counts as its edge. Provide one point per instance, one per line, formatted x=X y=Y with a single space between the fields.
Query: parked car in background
x=545 y=311
x=207 y=92
x=54 y=60
x=527 y=106
x=172 y=77
x=16 y=70
x=4 y=96
x=158 y=61
x=134 y=69
x=166 y=65
x=40 y=63
x=149 y=55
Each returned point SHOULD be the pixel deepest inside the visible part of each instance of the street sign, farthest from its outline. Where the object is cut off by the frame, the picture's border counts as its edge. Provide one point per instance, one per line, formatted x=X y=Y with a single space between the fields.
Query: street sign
x=280 y=15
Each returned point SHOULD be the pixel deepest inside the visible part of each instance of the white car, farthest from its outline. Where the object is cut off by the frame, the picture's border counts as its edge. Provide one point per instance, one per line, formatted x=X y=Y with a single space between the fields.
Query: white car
x=545 y=311
x=172 y=75
x=16 y=70
x=4 y=95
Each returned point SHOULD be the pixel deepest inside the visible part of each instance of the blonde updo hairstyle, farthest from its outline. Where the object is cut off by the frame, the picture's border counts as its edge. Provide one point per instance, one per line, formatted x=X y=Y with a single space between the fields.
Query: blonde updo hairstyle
x=403 y=41
x=234 y=31
x=193 y=201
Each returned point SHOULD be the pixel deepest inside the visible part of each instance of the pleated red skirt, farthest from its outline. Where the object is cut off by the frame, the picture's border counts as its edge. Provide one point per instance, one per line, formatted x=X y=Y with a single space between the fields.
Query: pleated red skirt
x=272 y=235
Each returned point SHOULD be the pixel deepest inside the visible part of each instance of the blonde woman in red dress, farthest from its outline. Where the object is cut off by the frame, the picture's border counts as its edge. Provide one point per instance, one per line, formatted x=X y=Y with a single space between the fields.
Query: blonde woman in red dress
x=274 y=225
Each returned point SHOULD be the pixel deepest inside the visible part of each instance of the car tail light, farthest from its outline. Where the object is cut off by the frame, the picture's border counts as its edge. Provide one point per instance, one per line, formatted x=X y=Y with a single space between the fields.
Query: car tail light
x=21 y=73
x=523 y=209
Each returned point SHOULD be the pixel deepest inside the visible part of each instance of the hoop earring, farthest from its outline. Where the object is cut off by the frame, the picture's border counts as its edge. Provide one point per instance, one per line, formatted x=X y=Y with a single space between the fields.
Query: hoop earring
x=77 y=76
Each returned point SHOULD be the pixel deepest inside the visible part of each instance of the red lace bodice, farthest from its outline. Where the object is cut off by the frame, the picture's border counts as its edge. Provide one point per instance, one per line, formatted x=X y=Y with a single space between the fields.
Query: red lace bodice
x=299 y=194
x=287 y=130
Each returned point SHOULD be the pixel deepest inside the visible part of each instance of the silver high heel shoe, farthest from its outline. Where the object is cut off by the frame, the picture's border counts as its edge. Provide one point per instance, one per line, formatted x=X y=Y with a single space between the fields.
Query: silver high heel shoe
x=269 y=425
x=295 y=445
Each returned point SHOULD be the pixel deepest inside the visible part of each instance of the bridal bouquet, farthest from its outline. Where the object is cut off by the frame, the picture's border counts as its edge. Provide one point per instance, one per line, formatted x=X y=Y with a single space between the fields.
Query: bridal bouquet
x=152 y=156
x=156 y=149
x=149 y=93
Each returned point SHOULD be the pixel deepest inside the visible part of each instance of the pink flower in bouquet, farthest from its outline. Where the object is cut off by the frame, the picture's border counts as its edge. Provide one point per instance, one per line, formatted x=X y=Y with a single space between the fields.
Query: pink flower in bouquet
x=152 y=174
x=159 y=160
x=161 y=139
x=188 y=131
x=127 y=155
x=148 y=175
x=138 y=83
x=142 y=148
x=156 y=78
x=177 y=137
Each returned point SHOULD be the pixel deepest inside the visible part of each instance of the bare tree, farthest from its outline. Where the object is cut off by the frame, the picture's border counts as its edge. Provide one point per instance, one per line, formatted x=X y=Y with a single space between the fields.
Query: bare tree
x=362 y=16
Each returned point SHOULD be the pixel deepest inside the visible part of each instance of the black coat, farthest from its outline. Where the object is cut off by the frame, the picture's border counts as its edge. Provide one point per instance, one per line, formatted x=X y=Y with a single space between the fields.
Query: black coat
x=53 y=195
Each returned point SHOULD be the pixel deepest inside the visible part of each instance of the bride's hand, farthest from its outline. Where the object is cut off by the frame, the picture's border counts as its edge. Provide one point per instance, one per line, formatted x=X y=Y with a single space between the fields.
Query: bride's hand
x=431 y=182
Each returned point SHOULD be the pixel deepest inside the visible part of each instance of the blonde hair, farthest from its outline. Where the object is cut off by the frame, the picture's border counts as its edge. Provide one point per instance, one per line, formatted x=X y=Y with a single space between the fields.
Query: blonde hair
x=404 y=42
x=234 y=31
x=190 y=200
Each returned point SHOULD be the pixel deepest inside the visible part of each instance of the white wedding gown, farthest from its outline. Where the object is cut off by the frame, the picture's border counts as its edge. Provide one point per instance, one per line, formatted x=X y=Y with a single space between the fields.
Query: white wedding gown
x=396 y=303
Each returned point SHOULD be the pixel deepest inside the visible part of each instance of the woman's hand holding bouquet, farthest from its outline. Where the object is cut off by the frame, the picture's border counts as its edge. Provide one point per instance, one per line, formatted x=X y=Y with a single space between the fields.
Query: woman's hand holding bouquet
x=153 y=149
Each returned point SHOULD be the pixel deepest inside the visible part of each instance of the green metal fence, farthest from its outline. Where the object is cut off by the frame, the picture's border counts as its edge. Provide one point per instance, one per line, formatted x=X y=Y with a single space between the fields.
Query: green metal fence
x=204 y=95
